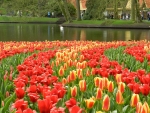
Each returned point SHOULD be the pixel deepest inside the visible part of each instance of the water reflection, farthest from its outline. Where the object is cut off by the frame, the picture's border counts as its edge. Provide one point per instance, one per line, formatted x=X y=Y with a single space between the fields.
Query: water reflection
x=41 y=32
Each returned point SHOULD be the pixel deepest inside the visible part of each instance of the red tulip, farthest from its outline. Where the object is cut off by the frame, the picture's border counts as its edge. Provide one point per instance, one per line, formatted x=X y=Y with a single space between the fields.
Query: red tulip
x=75 y=109
x=32 y=89
x=33 y=97
x=20 y=93
x=21 y=104
x=44 y=105
x=70 y=103
x=145 y=89
x=28 y=110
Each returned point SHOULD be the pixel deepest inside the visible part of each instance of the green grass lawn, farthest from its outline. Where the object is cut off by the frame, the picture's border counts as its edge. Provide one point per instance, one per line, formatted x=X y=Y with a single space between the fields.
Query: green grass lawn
x=26 y=19
x=88 y=22
x=107 y=22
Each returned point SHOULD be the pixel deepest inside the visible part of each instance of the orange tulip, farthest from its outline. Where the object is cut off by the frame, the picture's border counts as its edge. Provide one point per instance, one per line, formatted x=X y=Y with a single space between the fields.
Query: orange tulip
x=90 y=103
x=58 y=55
x=79 y=73
x=105 y=82
x=81 y=57
x=146 y=108
x=65 y=66
x=73 y=75
x=106 y=103
x=74 y=56
x=57 y=62
x=99 y=94
x=82 y=85
x=138 y=107
x=87 y=72
x=118 y=78
x=75 y=62
x=134 y=100
x=84 y=63
x=99 y=112
x=97 y=81
x=119 y=97
x=64 y=81
x=65 y=59
x=93 y=71
x=142 y=108
x=61 y=71
x=78 y=65
x=110 y=86
x=74 y=91
x=52 y=64
x=70 y=62
x=121 y=86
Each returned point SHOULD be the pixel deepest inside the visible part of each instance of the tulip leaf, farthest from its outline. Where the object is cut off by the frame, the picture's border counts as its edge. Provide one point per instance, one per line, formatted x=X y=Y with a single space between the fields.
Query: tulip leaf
x=127 y=99
x=115 y=111
x=1 y=95
x=132 y=110
x=6 y=107
x=148 y=100
x=125 y=108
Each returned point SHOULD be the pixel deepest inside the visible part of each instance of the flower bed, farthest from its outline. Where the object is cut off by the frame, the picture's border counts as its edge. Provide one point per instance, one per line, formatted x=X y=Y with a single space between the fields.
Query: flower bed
x=75 y=77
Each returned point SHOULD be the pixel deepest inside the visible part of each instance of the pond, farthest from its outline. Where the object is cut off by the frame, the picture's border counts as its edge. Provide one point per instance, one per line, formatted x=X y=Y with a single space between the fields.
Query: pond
x=51 y=32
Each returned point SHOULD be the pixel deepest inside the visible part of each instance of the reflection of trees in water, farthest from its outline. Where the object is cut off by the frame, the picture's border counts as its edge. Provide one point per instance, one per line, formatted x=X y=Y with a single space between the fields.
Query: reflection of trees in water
x=135 y=35
x=82 y=35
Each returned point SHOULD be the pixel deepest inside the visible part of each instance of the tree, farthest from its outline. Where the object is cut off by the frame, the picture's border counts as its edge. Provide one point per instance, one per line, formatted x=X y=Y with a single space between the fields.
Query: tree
x=135 y=13
x=95 y=9
x=115 y=9
x=78 y=10
x=64 y=8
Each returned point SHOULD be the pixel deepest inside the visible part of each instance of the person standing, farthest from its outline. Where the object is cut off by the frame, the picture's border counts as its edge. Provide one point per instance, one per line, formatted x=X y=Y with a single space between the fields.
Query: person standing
x=49 y=14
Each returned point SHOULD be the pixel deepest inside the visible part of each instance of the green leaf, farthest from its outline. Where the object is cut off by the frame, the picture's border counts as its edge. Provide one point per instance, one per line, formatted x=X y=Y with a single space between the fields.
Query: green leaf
x=115 y=111
x=6 y=107
x=132 y=110
x=1 y=95
x=127 y=99
x=125 y=108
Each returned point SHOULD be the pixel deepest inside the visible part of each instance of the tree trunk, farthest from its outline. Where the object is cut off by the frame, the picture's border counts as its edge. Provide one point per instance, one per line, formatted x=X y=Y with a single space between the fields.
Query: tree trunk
x=62 y=9
x=133 y=10
x=138 y=16
x=78 y=10
x=116 y=9
x=65 y=4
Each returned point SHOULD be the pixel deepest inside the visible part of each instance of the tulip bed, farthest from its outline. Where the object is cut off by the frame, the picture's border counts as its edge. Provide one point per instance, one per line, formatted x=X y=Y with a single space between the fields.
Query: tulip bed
x=75 y=77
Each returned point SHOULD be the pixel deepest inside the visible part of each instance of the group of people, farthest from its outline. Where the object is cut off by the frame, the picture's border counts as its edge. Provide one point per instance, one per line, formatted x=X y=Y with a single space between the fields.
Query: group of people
x=148 y=16
x=50 y=14
x=125 y=16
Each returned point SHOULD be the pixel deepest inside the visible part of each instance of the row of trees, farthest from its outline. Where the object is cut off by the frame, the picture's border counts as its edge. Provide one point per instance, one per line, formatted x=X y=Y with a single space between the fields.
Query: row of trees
x=95 y=8
x=34 y=7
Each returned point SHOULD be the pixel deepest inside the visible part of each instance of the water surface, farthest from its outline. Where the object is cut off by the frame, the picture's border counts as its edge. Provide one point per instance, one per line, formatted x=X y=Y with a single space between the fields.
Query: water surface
x=51 y=32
